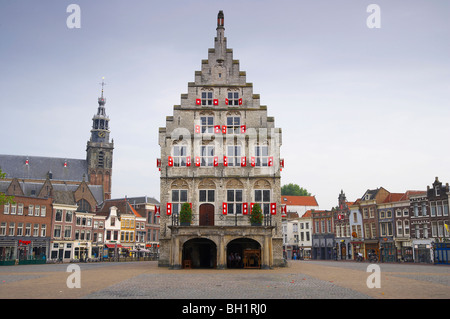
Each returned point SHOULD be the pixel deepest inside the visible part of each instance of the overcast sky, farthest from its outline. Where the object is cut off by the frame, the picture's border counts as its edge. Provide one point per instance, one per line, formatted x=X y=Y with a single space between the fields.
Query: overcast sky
x=359 y=107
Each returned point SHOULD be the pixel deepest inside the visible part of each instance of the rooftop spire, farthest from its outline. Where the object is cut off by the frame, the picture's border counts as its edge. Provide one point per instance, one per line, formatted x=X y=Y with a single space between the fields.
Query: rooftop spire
x=101 y=100
x=220 y=19
x=220 y=44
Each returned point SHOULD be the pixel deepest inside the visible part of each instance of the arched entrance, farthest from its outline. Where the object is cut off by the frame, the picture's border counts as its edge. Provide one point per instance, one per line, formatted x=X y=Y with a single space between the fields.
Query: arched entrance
x=243 y=253
x=200 y=253
x=206 y=215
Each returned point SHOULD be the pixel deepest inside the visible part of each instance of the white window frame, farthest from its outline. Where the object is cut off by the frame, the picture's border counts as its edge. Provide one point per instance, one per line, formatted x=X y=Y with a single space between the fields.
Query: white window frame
x=265 y=200
x=233 y=125
x=207 y=124
x=262 y=160
x=179 y=154
x=233 y=98
x=207 y=155
x=234 y=155
x=207 y=98
x=234 y=205
x=176 y=204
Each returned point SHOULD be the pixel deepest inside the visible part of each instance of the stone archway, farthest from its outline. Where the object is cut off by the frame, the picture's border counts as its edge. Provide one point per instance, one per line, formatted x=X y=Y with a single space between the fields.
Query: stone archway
x=200 y=253
x=248 y=252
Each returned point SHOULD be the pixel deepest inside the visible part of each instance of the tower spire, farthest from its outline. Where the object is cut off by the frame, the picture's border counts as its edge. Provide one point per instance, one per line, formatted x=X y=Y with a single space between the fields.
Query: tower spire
x=101 y=100
x=220 y=44
x=220 y=18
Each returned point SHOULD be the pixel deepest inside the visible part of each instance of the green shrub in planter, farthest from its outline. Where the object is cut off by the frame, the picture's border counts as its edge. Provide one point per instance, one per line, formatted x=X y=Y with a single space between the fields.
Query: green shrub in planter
x=256 y=215
x=186 y=214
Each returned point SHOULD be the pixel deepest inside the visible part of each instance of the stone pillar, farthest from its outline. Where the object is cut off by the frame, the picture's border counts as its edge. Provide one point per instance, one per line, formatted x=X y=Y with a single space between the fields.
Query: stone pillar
x=266 y=254
x=222 y=261
x=176 y=256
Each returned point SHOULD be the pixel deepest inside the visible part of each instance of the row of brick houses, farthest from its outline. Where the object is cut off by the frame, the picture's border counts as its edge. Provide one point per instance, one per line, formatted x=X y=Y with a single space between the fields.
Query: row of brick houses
x=398 y=227
x=63 y=222
x=63 y=208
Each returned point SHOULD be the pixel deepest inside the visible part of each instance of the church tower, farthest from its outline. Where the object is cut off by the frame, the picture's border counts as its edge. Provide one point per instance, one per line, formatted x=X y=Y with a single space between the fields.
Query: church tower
x=220 y=153
x=99 y=151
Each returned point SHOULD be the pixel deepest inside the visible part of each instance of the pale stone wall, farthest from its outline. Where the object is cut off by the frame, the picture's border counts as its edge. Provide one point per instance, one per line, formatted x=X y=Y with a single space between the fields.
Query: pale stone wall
x=219 y=75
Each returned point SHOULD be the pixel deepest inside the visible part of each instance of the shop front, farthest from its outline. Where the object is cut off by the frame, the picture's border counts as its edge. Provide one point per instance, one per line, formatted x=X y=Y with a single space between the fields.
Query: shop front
x=61 y=251
x=404 y=250
x=357 y=248
x=422 y=251
x=388 y=251
x=82 y=251
x=371 y=247
x=112 y=250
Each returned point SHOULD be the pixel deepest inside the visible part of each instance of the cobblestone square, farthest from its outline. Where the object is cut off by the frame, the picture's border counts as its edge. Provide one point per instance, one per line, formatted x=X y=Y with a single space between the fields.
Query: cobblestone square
x=300 y=280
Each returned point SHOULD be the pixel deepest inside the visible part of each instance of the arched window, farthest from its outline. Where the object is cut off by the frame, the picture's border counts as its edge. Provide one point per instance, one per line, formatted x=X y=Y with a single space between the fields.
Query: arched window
x=83 y=206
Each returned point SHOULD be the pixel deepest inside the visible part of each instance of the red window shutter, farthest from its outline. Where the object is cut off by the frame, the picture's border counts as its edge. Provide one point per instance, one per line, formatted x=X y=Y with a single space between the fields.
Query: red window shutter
x=226 y=101
x=243 y=161
x=188 y=161
x=240 y=101
x=217 y=129
x=216 y=161
x=225 y=161
x=224 y=129
x=224 y=208
x=216 y=102
x=251 y=206
x=253 y=161
x=170 y=161
x=273 y=208
x=169 y=209
x=245 y=208
x=243 y=129
x=271 y=161
x=197 y=129
x=198 y=101
x=197 y=161
x=158 y=162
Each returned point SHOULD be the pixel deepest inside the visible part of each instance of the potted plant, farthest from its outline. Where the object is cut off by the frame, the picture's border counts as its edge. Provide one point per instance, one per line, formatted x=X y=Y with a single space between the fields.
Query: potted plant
x=185 y=214
x=256 y=215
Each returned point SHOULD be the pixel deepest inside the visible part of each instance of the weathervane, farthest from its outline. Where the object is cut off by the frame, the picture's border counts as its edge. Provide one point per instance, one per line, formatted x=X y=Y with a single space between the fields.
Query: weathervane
x=103 y=84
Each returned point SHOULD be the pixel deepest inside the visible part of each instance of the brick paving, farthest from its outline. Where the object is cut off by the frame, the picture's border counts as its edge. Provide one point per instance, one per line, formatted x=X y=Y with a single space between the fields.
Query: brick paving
x=300 y=280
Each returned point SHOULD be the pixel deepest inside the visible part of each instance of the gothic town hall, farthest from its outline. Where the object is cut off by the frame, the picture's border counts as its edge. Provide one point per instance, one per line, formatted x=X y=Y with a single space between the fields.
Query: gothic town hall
x=220 y=153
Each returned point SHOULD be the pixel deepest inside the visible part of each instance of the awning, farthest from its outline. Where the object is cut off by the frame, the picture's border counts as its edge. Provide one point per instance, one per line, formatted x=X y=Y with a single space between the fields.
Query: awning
x=113 y=245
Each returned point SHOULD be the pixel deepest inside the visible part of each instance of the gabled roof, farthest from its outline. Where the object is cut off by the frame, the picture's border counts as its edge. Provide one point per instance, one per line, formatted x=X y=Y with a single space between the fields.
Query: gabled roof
x=308 y=213
x=410 y=193
x=123 y=207
x=394 y=197
x=39 y=167
x=299 y=200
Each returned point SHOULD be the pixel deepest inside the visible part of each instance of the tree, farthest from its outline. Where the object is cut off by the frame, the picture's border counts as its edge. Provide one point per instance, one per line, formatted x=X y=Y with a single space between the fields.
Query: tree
x=294 y=190
x=3 y=198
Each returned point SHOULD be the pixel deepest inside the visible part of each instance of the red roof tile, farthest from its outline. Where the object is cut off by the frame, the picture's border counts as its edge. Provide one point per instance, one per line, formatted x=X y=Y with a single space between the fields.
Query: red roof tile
x=299 y=200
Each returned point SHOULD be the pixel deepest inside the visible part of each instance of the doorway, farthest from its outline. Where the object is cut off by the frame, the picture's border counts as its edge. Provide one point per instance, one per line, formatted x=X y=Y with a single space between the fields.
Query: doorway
x=206 y=216
x=200 y=253
x=243 y=253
